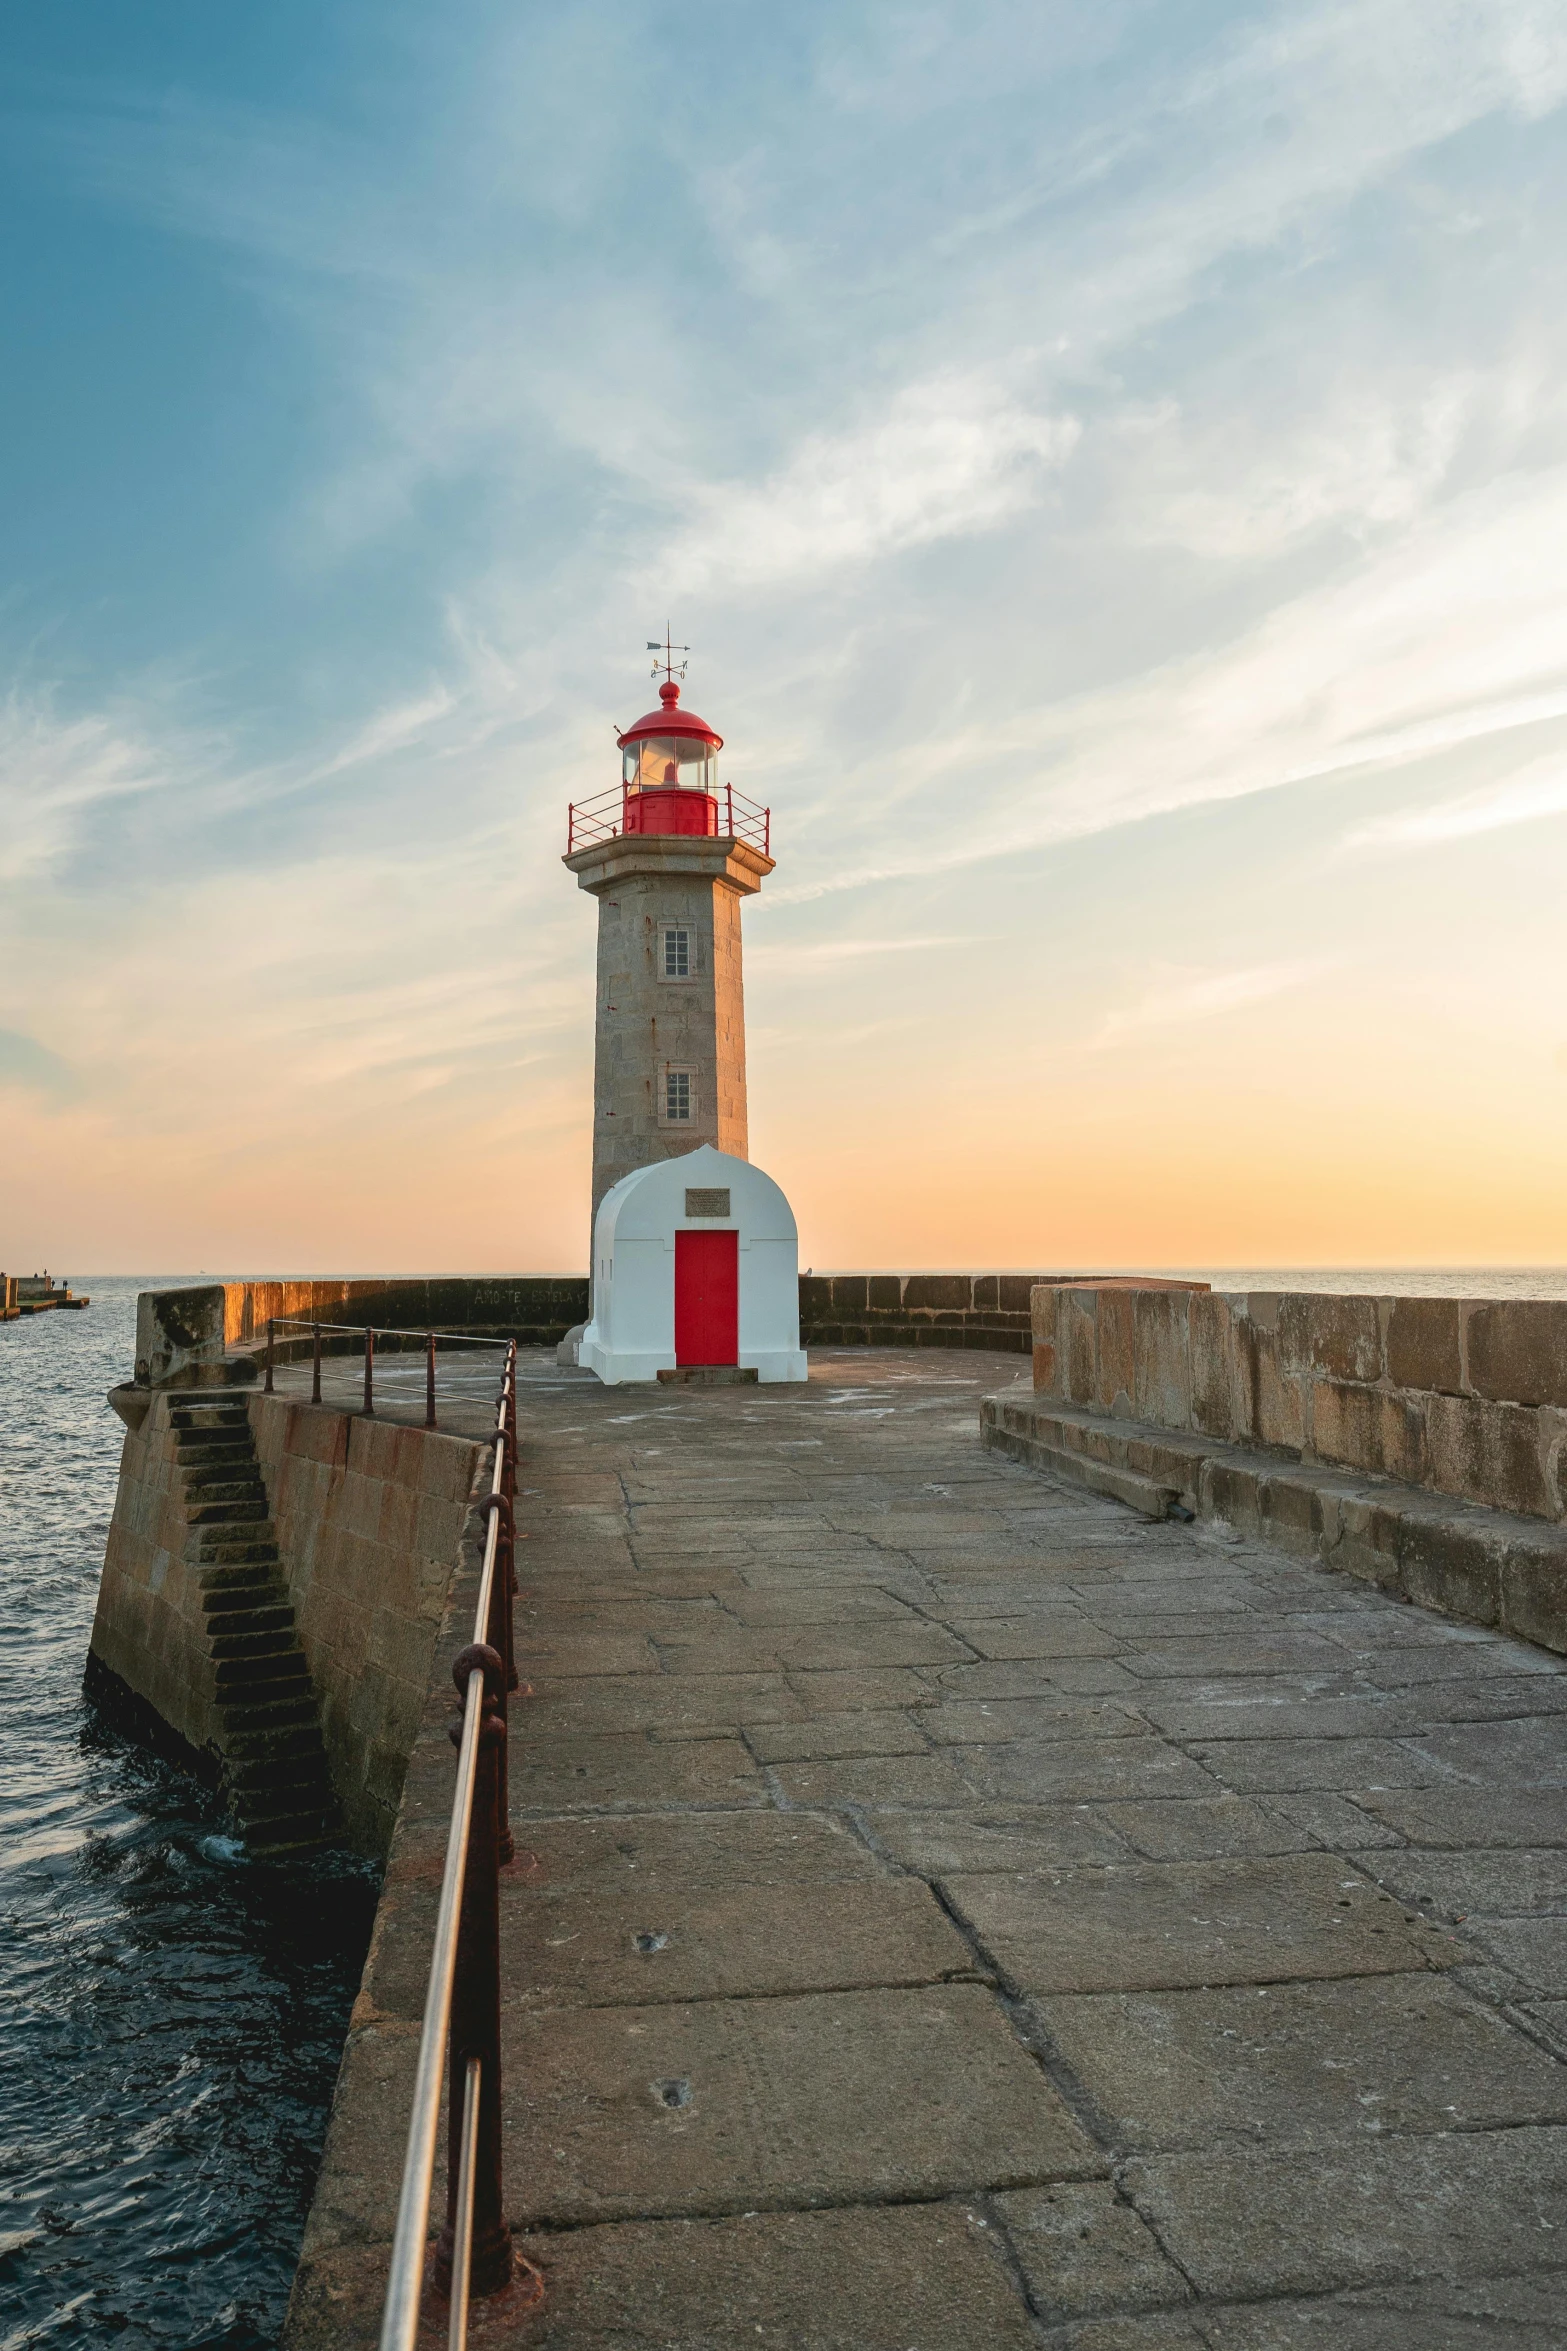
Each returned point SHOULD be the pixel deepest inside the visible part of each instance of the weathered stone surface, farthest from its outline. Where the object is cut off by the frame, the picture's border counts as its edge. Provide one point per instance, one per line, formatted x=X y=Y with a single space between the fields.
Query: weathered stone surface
x=1517 y=1351
x=829 y=1736
x=1083 y=2250
x=1487 y=1453
x=1449 y=1816
x=1223 y=1922
x=664 y=1942
x=1335 y=1338
x=694 y=1850
x=179 y=1335
x=1302 y=2063
x=1423 y=1349
x=1515 y=1884
x=810 y=2281
x=1079 y=1771
x=739 y=2105
x=1532 y=1949
x=633 y=1775
x=1450 y=2314
x=947 y=1844
x=1204 y=1828
x=1473 y=2202
x=1286 y=1765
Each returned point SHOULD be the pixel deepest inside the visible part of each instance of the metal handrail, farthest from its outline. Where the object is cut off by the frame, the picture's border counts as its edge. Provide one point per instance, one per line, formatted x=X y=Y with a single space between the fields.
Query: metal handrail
x=367 y=1333
x=382 y=1330
x=604 y=818
x=400 y=2317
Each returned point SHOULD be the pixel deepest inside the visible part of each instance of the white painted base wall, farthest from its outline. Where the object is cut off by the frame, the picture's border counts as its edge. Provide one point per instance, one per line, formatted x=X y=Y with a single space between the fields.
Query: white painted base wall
x=632 y=1334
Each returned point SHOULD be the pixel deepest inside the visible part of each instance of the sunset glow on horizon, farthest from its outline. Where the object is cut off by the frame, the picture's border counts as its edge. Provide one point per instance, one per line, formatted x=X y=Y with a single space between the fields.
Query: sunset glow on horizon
x=1112 y=473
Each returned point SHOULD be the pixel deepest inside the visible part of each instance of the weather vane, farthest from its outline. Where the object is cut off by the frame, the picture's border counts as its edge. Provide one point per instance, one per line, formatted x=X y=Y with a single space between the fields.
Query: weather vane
x=667 y=651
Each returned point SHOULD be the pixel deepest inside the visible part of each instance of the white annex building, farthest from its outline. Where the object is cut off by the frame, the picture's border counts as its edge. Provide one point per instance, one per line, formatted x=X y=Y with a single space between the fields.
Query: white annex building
x=696 y=1262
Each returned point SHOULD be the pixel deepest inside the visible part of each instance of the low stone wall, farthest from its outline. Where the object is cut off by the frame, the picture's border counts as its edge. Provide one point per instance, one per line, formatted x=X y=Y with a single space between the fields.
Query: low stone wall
x=985 y=1310
x=536 y=1310
x=1415 y=1443
x=1467 y=1397
x=369 y=1519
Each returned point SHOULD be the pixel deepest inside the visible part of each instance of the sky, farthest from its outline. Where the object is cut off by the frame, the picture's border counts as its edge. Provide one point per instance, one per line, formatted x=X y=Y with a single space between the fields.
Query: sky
x=1109 y=461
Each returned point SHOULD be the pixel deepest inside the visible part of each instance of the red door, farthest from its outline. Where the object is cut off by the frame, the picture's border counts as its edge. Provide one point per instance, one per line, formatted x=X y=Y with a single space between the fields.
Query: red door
x=707 y=1297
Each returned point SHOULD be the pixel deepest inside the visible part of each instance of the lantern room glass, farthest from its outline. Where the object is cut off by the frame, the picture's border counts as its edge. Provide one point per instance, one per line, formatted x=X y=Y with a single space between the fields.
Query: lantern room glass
x=670 y=762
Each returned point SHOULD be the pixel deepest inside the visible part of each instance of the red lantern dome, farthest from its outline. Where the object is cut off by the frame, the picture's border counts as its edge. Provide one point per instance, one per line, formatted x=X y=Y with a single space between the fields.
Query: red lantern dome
x=669 y=769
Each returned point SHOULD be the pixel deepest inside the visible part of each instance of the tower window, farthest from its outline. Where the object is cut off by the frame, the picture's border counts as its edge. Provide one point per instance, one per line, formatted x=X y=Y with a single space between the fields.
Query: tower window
x=677 y=951
x=677 y=1096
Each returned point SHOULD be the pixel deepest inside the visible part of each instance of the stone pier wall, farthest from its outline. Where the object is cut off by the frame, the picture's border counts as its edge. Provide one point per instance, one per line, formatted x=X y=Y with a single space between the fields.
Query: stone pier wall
x=983 y=1310
x=1419 y=1444
x=535 y=1310
x=150 y=1629
x=989 y=1311
x=1467 y=1397
x=369 y=1520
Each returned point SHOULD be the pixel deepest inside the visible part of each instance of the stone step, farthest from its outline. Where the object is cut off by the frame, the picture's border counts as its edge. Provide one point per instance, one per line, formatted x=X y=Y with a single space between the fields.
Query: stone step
x=294 y=1743
x=215 y=1514
x=260 y=1783
x=221 y=1485
x=196 y=1420
x=282 y=1668
x=190 y=1456
x=240 y=1551
x=300 y=1808
x=265 y=1641
x=228 y=1624
x=248 y=1584
x=288 y=1839
x=244 y=1720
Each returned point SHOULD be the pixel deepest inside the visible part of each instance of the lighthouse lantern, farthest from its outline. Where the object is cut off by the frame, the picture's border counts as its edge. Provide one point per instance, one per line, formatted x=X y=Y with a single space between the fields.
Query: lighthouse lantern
x=669 y=769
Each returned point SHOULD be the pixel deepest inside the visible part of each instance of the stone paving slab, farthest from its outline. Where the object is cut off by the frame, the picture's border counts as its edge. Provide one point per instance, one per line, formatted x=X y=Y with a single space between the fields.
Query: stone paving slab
x=1077 y=1931
x=1219 y=1922
x=662 y=1941
x=1465 y=2203
x=877 y=2279
x=850 y=2097
x=1301 y=2063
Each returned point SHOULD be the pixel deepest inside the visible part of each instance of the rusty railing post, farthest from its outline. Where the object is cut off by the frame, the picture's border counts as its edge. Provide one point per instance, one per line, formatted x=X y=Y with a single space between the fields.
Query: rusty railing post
x=271 y=1336
x=476 y=2000
x=369 y=1373
x=315 y=1363
x=429 y=1379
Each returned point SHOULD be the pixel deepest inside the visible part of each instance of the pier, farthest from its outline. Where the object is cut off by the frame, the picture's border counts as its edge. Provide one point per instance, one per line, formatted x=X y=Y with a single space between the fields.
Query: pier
x=953 y=1908
x=34 y=1293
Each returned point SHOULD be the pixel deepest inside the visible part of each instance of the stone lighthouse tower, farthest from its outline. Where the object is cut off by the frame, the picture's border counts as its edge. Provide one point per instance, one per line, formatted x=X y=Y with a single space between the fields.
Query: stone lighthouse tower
x=669 y=856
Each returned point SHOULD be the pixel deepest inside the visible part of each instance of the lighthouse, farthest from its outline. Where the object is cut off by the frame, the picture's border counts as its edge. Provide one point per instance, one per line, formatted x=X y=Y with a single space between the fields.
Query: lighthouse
x=695 y=1253
x=670 y=855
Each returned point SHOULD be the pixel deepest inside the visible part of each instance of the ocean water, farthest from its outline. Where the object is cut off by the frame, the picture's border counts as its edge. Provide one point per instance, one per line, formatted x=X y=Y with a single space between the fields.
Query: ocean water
x=1445 y=1281
x=173 y=2013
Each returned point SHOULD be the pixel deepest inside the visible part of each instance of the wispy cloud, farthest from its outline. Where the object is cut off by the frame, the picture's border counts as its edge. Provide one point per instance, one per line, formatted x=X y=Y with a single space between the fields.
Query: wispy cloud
x=1179 y=1000
x=949 y=457
x=827 y=954
x=1536 y=791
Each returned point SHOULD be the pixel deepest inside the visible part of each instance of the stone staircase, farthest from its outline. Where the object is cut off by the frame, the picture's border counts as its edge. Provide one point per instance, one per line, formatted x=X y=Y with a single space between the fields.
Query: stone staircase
x=275 y=1772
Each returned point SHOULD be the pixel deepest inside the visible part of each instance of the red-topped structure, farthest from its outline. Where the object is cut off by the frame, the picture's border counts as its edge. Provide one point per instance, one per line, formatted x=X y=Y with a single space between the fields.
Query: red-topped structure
x=668 y=769
x=669 y=784
x=670 y=854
